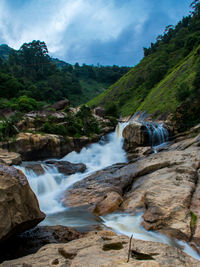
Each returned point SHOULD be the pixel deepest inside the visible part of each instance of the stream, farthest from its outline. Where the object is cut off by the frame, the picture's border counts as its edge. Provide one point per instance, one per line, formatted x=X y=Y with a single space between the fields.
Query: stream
x=50 y=185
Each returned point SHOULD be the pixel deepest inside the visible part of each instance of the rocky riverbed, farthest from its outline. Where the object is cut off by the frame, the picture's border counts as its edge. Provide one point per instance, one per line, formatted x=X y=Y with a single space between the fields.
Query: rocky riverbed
x=164 y=187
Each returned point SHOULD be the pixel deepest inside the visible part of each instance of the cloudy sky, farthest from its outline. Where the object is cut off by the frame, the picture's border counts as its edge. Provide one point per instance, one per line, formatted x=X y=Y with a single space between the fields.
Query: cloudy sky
x=89 y=31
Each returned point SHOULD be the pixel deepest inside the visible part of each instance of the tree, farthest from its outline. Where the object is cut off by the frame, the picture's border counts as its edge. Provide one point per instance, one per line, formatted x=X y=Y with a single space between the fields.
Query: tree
x=34 y=57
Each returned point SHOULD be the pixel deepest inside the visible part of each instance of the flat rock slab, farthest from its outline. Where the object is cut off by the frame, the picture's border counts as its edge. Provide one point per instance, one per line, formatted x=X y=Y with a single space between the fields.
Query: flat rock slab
x=106 y=249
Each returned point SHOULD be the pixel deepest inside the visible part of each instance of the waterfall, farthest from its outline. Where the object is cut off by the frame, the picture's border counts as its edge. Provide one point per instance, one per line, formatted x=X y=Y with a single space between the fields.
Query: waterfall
x=50 y=185
x=157 y=132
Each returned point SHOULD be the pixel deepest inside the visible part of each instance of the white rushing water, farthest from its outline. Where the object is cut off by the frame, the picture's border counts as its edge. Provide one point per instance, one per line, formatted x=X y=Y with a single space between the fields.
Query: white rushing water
x=130 y=224
x=49 y=187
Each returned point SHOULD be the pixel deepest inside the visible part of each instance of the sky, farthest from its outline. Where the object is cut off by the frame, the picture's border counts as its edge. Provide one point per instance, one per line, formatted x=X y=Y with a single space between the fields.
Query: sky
x=105 y=32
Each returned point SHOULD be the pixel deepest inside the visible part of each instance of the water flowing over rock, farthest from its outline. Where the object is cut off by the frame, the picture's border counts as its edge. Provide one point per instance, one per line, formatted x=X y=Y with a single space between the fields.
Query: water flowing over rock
x=161 y=184
x=19 y=208
x=67 y=167
x=140 y=133
x=106 y=249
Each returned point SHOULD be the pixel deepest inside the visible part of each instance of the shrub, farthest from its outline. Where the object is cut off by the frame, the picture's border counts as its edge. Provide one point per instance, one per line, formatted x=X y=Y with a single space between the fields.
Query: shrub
x=26 y=104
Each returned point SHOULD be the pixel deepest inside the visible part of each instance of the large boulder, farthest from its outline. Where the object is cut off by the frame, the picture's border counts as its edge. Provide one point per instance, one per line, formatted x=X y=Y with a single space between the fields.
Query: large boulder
x=19 y=208
x=106 y=249
x=135 y=134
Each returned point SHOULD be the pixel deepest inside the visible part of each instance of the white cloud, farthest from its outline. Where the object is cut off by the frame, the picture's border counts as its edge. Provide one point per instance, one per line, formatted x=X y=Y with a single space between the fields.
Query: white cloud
x=83 y=29
x=75 y=21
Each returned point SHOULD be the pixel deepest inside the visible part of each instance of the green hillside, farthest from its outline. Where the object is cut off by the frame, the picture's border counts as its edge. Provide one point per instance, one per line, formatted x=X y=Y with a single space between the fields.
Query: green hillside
x=31 y=72
x=167 y=75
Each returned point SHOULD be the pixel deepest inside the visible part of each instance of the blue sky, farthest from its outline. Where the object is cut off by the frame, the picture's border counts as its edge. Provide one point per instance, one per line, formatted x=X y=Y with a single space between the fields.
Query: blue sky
x=107 y=32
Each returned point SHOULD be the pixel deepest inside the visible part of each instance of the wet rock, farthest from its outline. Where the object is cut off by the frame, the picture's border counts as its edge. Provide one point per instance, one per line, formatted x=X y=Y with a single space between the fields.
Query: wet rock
x=161 y=184
x=10 y=158
x=35 y=167
x=31 y=241
x=93 y=250
x=111 y=203
x=96 y=189
x=19 y=208
x=67 y=167
x=135 y=134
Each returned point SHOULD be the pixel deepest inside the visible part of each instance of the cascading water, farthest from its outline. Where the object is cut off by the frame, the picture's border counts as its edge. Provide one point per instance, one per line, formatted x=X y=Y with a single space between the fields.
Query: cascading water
x=128 y=224
x=157 y=132
x=49 y=186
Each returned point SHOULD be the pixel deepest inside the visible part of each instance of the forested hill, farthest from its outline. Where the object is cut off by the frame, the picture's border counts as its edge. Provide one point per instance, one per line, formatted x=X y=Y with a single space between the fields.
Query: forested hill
x=168 y=77
x=30 y=73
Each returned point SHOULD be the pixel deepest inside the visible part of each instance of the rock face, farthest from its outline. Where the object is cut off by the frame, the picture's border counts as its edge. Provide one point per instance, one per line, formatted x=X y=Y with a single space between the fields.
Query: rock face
x=106 y=249
x=162 y=185
x=67 y=167
x=195 y=220
x=19 y=208
x=31 y=241
x=42 y=146
x=38 y=146
x=135 y=134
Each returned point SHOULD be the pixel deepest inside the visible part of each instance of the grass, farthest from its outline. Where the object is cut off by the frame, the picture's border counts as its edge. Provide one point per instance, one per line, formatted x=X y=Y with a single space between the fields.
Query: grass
x=193 y=221
x=160 y=98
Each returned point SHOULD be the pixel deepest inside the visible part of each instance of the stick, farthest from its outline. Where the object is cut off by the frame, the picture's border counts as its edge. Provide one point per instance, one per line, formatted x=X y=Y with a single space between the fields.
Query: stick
x=129 y=249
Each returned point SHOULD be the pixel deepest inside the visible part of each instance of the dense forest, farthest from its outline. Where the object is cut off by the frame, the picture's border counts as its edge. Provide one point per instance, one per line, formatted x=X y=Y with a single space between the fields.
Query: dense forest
x=168 y=77
x=30 y=78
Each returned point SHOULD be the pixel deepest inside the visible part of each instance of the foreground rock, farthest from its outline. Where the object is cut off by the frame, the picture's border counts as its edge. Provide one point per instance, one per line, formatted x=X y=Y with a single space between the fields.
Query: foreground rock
x=105 y=249
x=162 y=185
x=19 y=208
x=31 y=241
x=67 y=167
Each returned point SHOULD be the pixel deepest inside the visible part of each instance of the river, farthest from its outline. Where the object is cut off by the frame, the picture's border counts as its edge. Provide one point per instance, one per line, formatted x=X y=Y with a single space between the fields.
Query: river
x=50 y=186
